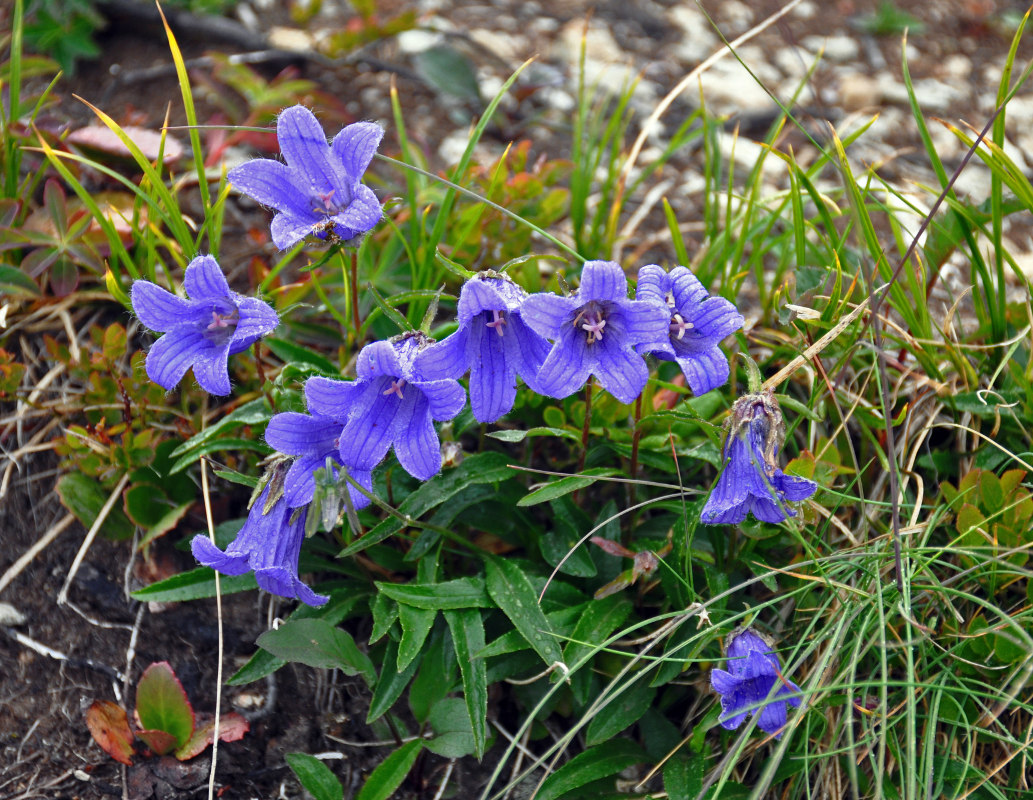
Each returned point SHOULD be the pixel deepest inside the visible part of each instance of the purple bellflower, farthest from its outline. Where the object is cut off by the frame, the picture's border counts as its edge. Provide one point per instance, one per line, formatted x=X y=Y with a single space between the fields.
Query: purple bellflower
x=313 y=438
x=595 y=332
x=751 y=481
x=492 y=342
x=319 y=190
x=698 y=324
x=269 y=544
x=389 y=404
x=748 y=685
x=201 y=332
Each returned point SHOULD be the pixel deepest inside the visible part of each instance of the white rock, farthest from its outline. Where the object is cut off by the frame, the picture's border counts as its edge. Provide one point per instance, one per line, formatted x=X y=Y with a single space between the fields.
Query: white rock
x=728 y=87
x=11 y=616
x=737 y=14
x=291 y=39
x=509 y=47
x=699 y=40
x=858 y=91
x=838 y=48
x=805 y=10
x=416 y=41
x=956 y=67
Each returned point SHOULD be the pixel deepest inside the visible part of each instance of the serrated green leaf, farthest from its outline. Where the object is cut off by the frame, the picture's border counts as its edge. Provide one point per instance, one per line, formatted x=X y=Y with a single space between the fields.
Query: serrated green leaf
x=570 y=483
x=458 y=593
x=597 y=762
x=388 y=776
x=194 y=585
x=467 y=629
x=318 y=643
x=511 y=590
x=416 y=624
x=315 y=776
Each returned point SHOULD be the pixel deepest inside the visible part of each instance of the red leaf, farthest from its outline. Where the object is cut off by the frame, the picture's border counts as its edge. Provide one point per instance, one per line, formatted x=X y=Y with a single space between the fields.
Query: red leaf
x=162 y=705
x=612 y=547
x=232 y=727
x=159 y=741
x=109 y=727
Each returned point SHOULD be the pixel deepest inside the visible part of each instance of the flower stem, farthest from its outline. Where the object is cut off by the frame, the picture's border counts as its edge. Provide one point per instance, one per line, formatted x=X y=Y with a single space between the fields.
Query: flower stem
x=584 y=431
x=356 y=314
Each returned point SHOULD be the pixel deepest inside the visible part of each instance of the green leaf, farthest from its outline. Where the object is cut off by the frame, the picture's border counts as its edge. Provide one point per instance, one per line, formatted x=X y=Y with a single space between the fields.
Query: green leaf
x=600 y=619
x=293 y=353
x=264 y=663
x=317 y=778
x=391 y=683
x=511 y=590
x=318 y=643
x=448 y=71
x=519 y=435
x=480 y=468
x=467 y=629
x=570 y=483
x=597 y=762
x=253 y=413
x=388 y=776
x=84 y=497
x=620 y=713
x=162 y=705
x=683 y=776
x=218 y=446
x=14 y=281
x=459 y=593
x=453 y=733
x=416 y=624
x=194 y=585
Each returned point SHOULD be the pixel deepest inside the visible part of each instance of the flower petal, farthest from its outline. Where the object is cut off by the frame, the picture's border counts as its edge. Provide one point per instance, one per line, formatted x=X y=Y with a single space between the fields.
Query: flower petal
x=304 y=146
x=526 y=351
x=715 y=318
x=211 y=556
x=653 y=284
x=301 y=434
x=330 y=398
x=159 y=309
x=172 y=355
x=704 y=370
x=443 y=360
x=686 y=289
x=366 y=437
x=723 y=682
x=548 y=314
x=211 y=369
x=477 y=295
x=644 y=322
x=269 y=183
x=299 y=484
x=602 y=280
x=256 y=319
x=772 y=718
x=361 y=215
x=445 y=398
x=793 y=487
x=364 y=478
x=621 y=371
x=567 y=366
x=376 y=359
x=416 y=442
x=289 y=229
x=492 y=377
x=204 y=280
x=355 y=146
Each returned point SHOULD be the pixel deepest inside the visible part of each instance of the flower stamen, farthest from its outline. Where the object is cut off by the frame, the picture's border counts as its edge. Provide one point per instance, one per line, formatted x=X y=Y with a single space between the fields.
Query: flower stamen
x=679 y=326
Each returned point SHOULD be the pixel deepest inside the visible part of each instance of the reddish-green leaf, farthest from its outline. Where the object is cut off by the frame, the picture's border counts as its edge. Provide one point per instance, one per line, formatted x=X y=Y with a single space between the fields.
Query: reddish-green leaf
x=159 y=741
x=109 y=726
x=232 y=727
x=162 y=705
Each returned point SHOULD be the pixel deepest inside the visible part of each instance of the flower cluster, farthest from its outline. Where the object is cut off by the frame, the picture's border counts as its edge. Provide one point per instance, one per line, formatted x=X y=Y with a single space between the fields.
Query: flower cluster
x=748 y=685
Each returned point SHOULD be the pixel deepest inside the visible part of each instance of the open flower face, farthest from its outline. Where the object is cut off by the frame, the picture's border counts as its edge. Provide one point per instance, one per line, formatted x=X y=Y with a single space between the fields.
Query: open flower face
x=753 y=684
x=268 y=544
x=751 y=481
x=319 y=190
x=388 y=405
x=492 y=342
x=595 y=332
x=698 y=324
x=200 y=332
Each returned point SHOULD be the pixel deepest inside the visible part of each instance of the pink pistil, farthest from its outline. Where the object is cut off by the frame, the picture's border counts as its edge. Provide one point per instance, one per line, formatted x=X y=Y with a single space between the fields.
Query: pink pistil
x=327 y=199
x=594 y=328
x=396 y=388
x=219 y=321
x=679 y=326
x=498 y=320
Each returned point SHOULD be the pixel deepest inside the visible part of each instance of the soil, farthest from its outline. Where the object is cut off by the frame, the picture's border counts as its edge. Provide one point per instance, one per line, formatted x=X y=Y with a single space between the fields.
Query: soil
x=45 y=748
